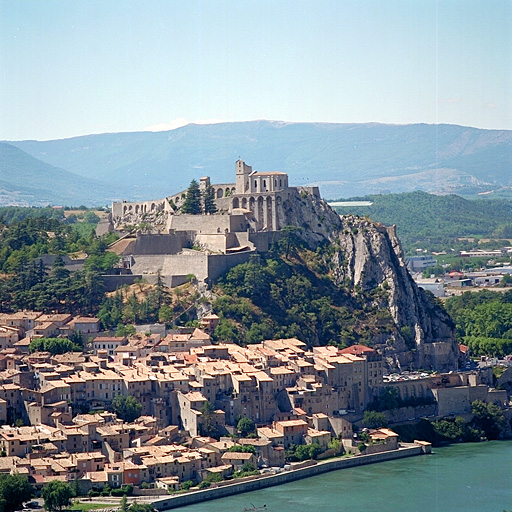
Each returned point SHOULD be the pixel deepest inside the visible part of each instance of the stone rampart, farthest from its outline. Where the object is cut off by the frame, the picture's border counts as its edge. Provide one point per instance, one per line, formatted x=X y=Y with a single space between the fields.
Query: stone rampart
x=202 y=265
x=407 y=413
x=159 y=244
x=219 y=264
x=284 y=477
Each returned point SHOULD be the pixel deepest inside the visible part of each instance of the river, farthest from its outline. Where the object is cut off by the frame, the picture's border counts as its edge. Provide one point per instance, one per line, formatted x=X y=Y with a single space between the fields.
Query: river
x=473 y=477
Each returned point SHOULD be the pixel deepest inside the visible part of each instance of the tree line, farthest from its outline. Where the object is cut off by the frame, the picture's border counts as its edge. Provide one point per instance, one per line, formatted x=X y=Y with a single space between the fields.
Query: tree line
x=483 y=321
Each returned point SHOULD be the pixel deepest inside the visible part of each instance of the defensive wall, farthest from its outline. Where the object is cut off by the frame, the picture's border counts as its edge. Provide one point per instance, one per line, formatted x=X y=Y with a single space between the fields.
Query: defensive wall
x=146 y=244
x=208 y=223
x=204 y=266
x=285 y=477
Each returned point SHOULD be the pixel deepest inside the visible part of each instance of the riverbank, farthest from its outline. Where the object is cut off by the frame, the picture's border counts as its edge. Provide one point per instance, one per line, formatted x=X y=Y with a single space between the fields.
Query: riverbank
x=470 y=477
x=286 y=476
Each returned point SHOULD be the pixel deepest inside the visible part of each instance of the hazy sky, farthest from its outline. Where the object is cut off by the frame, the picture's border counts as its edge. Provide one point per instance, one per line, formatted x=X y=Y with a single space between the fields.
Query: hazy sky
x=74 y=67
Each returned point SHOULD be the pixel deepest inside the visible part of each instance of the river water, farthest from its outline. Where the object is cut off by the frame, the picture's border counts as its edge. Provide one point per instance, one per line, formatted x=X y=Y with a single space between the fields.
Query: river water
x=474 y=477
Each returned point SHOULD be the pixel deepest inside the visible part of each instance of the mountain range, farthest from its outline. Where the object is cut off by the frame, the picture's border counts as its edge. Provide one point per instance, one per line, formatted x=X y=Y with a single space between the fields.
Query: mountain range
x=344 y=160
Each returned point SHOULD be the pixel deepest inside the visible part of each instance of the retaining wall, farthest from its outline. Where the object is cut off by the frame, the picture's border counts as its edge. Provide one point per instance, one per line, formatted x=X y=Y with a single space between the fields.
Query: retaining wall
x=282 y=478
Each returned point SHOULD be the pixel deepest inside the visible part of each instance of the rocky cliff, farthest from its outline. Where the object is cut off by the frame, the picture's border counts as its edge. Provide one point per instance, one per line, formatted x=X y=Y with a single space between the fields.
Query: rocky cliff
x=368 y=260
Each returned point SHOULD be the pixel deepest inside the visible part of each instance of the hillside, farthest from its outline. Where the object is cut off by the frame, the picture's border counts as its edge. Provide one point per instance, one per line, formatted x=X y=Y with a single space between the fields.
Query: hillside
x=25 y=180
x=424 y=220
x=344 y=159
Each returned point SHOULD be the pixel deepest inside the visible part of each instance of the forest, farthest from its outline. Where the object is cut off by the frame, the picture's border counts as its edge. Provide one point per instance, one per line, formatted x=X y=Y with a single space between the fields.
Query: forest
x=483 y=321
x=437 y=223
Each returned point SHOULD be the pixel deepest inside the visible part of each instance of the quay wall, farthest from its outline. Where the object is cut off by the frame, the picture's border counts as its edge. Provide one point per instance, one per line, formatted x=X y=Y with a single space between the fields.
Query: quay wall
x=282 y=478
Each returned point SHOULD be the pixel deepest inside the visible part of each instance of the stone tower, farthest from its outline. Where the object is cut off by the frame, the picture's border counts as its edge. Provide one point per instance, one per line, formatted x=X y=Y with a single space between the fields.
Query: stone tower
x=242 y=177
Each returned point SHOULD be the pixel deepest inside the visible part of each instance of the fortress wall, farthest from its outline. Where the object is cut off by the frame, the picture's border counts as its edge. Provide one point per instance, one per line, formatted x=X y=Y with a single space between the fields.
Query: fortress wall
x=219 y=264
x=263 y=239
x=113 y=282
x=435 y=352
x=480 y=392
x=173 y=265
x=201 y=223
x=159 y=244
x=240 y=239
x=208 y=224
x=213 y=242
x=452 y=401
x=139 y=207
x=406 y=413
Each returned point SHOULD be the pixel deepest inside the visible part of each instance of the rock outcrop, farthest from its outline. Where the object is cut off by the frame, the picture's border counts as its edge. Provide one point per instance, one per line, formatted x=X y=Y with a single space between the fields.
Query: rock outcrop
x=368 y=257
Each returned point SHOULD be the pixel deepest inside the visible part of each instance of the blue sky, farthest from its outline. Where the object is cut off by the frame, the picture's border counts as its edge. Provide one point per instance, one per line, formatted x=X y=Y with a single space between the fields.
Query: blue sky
x=74 y=67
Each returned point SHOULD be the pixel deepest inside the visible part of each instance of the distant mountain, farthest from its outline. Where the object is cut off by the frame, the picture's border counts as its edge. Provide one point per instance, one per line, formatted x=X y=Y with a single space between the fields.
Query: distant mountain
x=343 y=159
x=27 y=181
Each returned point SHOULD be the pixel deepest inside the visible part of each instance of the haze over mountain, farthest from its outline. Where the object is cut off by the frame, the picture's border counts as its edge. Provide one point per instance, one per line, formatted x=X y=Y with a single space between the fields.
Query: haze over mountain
x=27 y=181
x=343 y=159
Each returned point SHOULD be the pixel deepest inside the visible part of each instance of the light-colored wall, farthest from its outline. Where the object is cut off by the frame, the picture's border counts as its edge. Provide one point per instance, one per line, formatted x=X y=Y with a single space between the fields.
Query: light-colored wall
x=281 y=478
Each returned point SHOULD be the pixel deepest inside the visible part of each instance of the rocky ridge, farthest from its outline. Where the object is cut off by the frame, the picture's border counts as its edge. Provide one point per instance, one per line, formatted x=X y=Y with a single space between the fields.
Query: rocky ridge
x=368 y=257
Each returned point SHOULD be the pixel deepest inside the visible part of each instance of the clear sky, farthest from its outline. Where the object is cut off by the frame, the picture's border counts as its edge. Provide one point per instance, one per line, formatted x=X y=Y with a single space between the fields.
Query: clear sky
x=74 y=67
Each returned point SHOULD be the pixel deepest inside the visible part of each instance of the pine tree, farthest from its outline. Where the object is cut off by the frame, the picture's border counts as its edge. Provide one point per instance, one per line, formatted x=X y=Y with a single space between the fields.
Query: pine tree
x=209 y=200
x=192 y=204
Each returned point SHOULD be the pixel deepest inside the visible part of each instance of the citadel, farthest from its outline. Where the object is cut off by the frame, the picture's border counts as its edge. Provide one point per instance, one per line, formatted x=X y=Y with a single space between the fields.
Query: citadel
x=250 y=214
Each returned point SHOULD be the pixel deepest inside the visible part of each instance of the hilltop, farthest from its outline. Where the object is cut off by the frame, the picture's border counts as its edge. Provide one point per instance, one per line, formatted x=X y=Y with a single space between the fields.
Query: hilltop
x=431 y=221
x=343 y=159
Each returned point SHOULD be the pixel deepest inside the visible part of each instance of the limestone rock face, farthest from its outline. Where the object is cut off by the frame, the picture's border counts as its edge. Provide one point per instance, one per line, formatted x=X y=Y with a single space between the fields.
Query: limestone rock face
x=368 y=256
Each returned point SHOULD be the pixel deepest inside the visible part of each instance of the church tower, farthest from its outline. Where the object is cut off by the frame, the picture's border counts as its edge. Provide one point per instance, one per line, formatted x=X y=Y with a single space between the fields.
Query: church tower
x=242 y=177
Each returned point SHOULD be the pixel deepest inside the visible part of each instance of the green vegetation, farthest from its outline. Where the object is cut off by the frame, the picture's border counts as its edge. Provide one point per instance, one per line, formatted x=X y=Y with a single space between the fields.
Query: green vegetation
x=141 y=507
x=290 y=293
x=488 y=422
x=209 y=480
x=185 y=486
x=247 y=469
x=246 y=448
x=435 y=223
x=57 y=495
x=123 y=308
x=27 y=284
x=127 y=408
x=207 y=426
x=245 y=426
x=374 y=419
x=85 y=507
x=53 y=345
x=14 y=491
x=192 y=204
x=483 y=321
x=209 y=200
x=303 y=452
x=13 y=214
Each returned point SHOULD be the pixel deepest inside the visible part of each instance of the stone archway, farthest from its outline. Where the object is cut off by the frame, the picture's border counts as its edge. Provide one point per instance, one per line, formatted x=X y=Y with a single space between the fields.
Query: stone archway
x=252 y=206
x=269 y=214
x=260 y=213
x=277 y=209
x=220 y=193
x=236 y=203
